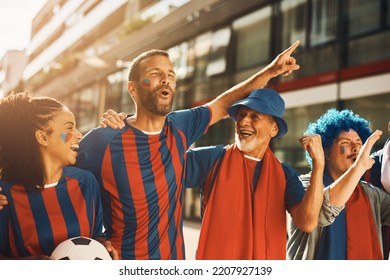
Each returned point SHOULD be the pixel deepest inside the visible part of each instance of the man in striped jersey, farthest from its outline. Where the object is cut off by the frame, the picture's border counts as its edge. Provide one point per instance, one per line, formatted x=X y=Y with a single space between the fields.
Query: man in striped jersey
x=140 y=167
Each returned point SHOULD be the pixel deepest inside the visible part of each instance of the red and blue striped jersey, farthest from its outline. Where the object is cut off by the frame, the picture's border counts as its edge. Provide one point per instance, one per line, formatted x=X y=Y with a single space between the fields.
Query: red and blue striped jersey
x=141 y=177
x=35 y=222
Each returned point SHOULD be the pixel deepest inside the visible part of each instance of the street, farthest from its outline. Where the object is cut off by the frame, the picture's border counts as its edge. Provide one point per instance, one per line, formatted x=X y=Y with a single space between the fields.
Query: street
x=191 y=235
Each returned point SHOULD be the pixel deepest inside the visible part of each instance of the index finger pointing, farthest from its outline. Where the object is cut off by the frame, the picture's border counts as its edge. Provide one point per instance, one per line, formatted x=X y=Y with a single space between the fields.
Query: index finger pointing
x=292 y=48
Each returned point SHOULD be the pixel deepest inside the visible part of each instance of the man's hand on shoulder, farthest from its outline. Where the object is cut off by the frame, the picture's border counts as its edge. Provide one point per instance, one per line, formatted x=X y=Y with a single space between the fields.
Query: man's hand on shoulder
x=113 y=119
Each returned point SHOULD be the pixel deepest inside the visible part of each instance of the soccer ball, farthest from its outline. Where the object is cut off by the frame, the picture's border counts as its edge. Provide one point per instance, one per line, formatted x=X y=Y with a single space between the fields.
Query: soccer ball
x=80 y=248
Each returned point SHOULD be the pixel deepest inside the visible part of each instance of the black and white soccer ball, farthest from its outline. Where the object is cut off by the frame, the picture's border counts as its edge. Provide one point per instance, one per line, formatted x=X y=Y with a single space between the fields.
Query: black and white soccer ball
x=80 y=248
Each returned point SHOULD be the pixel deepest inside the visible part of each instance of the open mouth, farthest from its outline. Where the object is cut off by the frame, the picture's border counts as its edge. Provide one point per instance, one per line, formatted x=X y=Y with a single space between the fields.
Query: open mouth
x=165 y=90
x=74 y=147
x=245 y=133
x=353 y=158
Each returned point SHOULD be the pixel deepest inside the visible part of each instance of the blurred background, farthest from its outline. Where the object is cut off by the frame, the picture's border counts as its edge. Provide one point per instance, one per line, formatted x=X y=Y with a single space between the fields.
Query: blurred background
x=78 y=52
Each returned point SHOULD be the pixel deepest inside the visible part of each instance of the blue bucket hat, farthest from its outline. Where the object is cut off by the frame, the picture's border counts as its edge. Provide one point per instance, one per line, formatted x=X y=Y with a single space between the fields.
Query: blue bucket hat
x=265 y=101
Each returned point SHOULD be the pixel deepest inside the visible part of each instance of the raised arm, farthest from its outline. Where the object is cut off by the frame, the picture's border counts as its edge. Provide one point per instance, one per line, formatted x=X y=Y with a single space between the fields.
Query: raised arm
x=342 y=188
x=284 y=64
x=385 y=165
x=305 y=214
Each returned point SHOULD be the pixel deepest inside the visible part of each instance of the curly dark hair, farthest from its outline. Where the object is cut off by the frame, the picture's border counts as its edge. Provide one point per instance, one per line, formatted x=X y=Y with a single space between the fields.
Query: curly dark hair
x=330 y=124
x=21 y=115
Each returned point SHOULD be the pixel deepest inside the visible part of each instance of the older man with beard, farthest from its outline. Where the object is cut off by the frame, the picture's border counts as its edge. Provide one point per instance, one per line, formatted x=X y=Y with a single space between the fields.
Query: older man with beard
x=246 y=190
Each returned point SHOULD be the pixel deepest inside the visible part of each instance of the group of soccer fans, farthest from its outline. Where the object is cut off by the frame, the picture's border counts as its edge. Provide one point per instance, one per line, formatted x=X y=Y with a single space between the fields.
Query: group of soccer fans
x=129 y=177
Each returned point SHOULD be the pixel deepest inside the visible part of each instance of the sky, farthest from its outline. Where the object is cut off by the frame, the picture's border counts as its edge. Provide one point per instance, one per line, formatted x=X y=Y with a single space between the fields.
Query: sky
x=15 y=23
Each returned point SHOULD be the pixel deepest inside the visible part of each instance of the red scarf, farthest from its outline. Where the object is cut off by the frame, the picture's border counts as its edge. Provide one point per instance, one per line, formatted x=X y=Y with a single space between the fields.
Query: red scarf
x=240 y=224
x=362 y=238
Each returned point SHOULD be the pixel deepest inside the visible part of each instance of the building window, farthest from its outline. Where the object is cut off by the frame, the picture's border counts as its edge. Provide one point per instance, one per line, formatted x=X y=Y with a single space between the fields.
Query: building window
x=364 y=16
x=218 y=53
x=252 y=38
x=179 y=56
x=114 y=91
x=388 y=13
x=323 y=21
x=370 y=38
x=88 y=108
x=183 y=57
x=127 y=103
x=294 y=22
x=220 y=133
x=375 y=109
x=202 y=49
x=369 y=49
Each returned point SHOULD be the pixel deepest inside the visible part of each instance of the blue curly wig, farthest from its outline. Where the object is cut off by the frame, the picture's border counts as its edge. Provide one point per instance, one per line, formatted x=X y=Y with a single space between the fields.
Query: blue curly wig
x=330 y=124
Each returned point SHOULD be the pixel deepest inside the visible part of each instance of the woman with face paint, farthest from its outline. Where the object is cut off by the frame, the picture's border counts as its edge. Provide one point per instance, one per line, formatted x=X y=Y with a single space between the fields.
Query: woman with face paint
x=48 y=200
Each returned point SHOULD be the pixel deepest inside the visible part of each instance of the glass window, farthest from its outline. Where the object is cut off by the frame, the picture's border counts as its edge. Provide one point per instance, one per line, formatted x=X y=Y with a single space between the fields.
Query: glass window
x=323 y=21
x=369 y=49
x=114 y=91
x=200 y=93
x=252 y=38
x=294 y=22
x=218 y=55
x=364 y=16
x=183 y=60
x=388 y=13
x=376 y=110
x=88 y=108
x=179 y=56
x=202 y=50
x=219 y=133
x=318 y=60
x=127 y=103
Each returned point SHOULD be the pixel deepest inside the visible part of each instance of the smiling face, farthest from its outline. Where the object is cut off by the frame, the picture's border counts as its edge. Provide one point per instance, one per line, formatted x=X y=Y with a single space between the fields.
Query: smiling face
x=62 y=139
x=343 y=152
x=254 y=131
x=155 y=91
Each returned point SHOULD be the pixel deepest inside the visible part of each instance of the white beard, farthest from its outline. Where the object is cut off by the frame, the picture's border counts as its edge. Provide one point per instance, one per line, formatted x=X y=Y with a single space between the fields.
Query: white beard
x=244 y=145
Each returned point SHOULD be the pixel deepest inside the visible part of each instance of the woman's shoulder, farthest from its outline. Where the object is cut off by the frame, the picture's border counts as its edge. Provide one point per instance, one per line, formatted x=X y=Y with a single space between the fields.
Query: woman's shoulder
x=77 y=173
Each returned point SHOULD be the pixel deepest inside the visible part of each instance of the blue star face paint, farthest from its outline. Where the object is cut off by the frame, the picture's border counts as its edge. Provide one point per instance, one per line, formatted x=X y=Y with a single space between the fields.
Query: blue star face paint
x=66 y=136
x=342 y=150
x=146 y=83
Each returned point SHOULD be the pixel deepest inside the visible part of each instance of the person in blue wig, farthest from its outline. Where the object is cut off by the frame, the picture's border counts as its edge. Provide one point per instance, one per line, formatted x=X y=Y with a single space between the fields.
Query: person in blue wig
x=360 y=210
